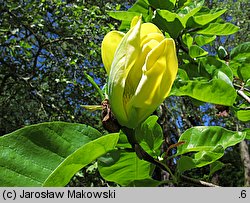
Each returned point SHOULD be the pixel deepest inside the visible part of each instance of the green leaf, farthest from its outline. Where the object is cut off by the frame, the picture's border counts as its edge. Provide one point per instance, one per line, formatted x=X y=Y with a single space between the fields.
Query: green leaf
x=204 y=19
x=204 y=69
x=29 y=155
x=141 y=7
x=202 y=40
x=150 y=135
x=244 y=68
x=169 y=22
x=196 y=51
x=240 y=61
x=123 y=141
x=181 y=3
x=205 y=138
x=124 y=167
x=187 y=39
x=247 y=131
x=187 y=12
x=207 y=80
x=159 y=4
x=215 y=166
x=185 y=163
x=217 y=90
x=219 y=29
x=200 y=159
x=243 y=72
x=243 y=115
x=80 y=158
x=242 y=48
x=205 y=157
x=207 y=144
x=213 y=65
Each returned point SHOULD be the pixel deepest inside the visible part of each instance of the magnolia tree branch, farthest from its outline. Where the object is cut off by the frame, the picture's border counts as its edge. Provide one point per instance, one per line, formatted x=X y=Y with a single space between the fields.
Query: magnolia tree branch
x=199 y=182
x=243 y=88
x=243 y=95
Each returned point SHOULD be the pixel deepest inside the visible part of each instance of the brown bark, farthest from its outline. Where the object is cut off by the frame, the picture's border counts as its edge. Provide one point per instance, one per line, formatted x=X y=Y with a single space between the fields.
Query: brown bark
x=245 y=158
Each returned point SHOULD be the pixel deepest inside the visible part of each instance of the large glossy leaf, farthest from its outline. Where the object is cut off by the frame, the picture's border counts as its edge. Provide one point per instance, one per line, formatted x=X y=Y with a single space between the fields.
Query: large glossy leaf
x=243 y=65
x=150 y=135
x=185 y=163
x=207 y=137
x=194 y=71
x=169 y=22
x=241 y=48
x=29 y=155
x=80 y=158
x=217 y=90
x=240 y=61
x=205 y=157
x=243 y=115
x=124 y=168
x=187 y=12
x=207 y=144
x=206 y=68
x=204 y=18
x=200 y=159
x=196 y=51
x=219 y=29
x=207 y=80
x=202 y=39
x=212 y=65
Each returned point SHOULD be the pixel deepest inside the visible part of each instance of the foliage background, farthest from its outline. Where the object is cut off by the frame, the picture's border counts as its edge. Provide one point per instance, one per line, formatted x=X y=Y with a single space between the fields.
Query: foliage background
x=48 y=50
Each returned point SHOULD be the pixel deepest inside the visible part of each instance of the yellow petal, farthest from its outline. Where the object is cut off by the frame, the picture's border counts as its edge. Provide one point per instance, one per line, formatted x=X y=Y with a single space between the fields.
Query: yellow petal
x=124 y=59
x=109 y=46
x=168 y=62
x=135 y=21
x=147 y=28
x=168 y=57
x=159 y=74
x=147 y=47
x=135 y=72
x=152 y=36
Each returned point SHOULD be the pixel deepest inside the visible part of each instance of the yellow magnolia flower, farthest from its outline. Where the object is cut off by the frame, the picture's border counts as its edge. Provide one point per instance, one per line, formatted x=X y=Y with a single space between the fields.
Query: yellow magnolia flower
x=142 y=66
